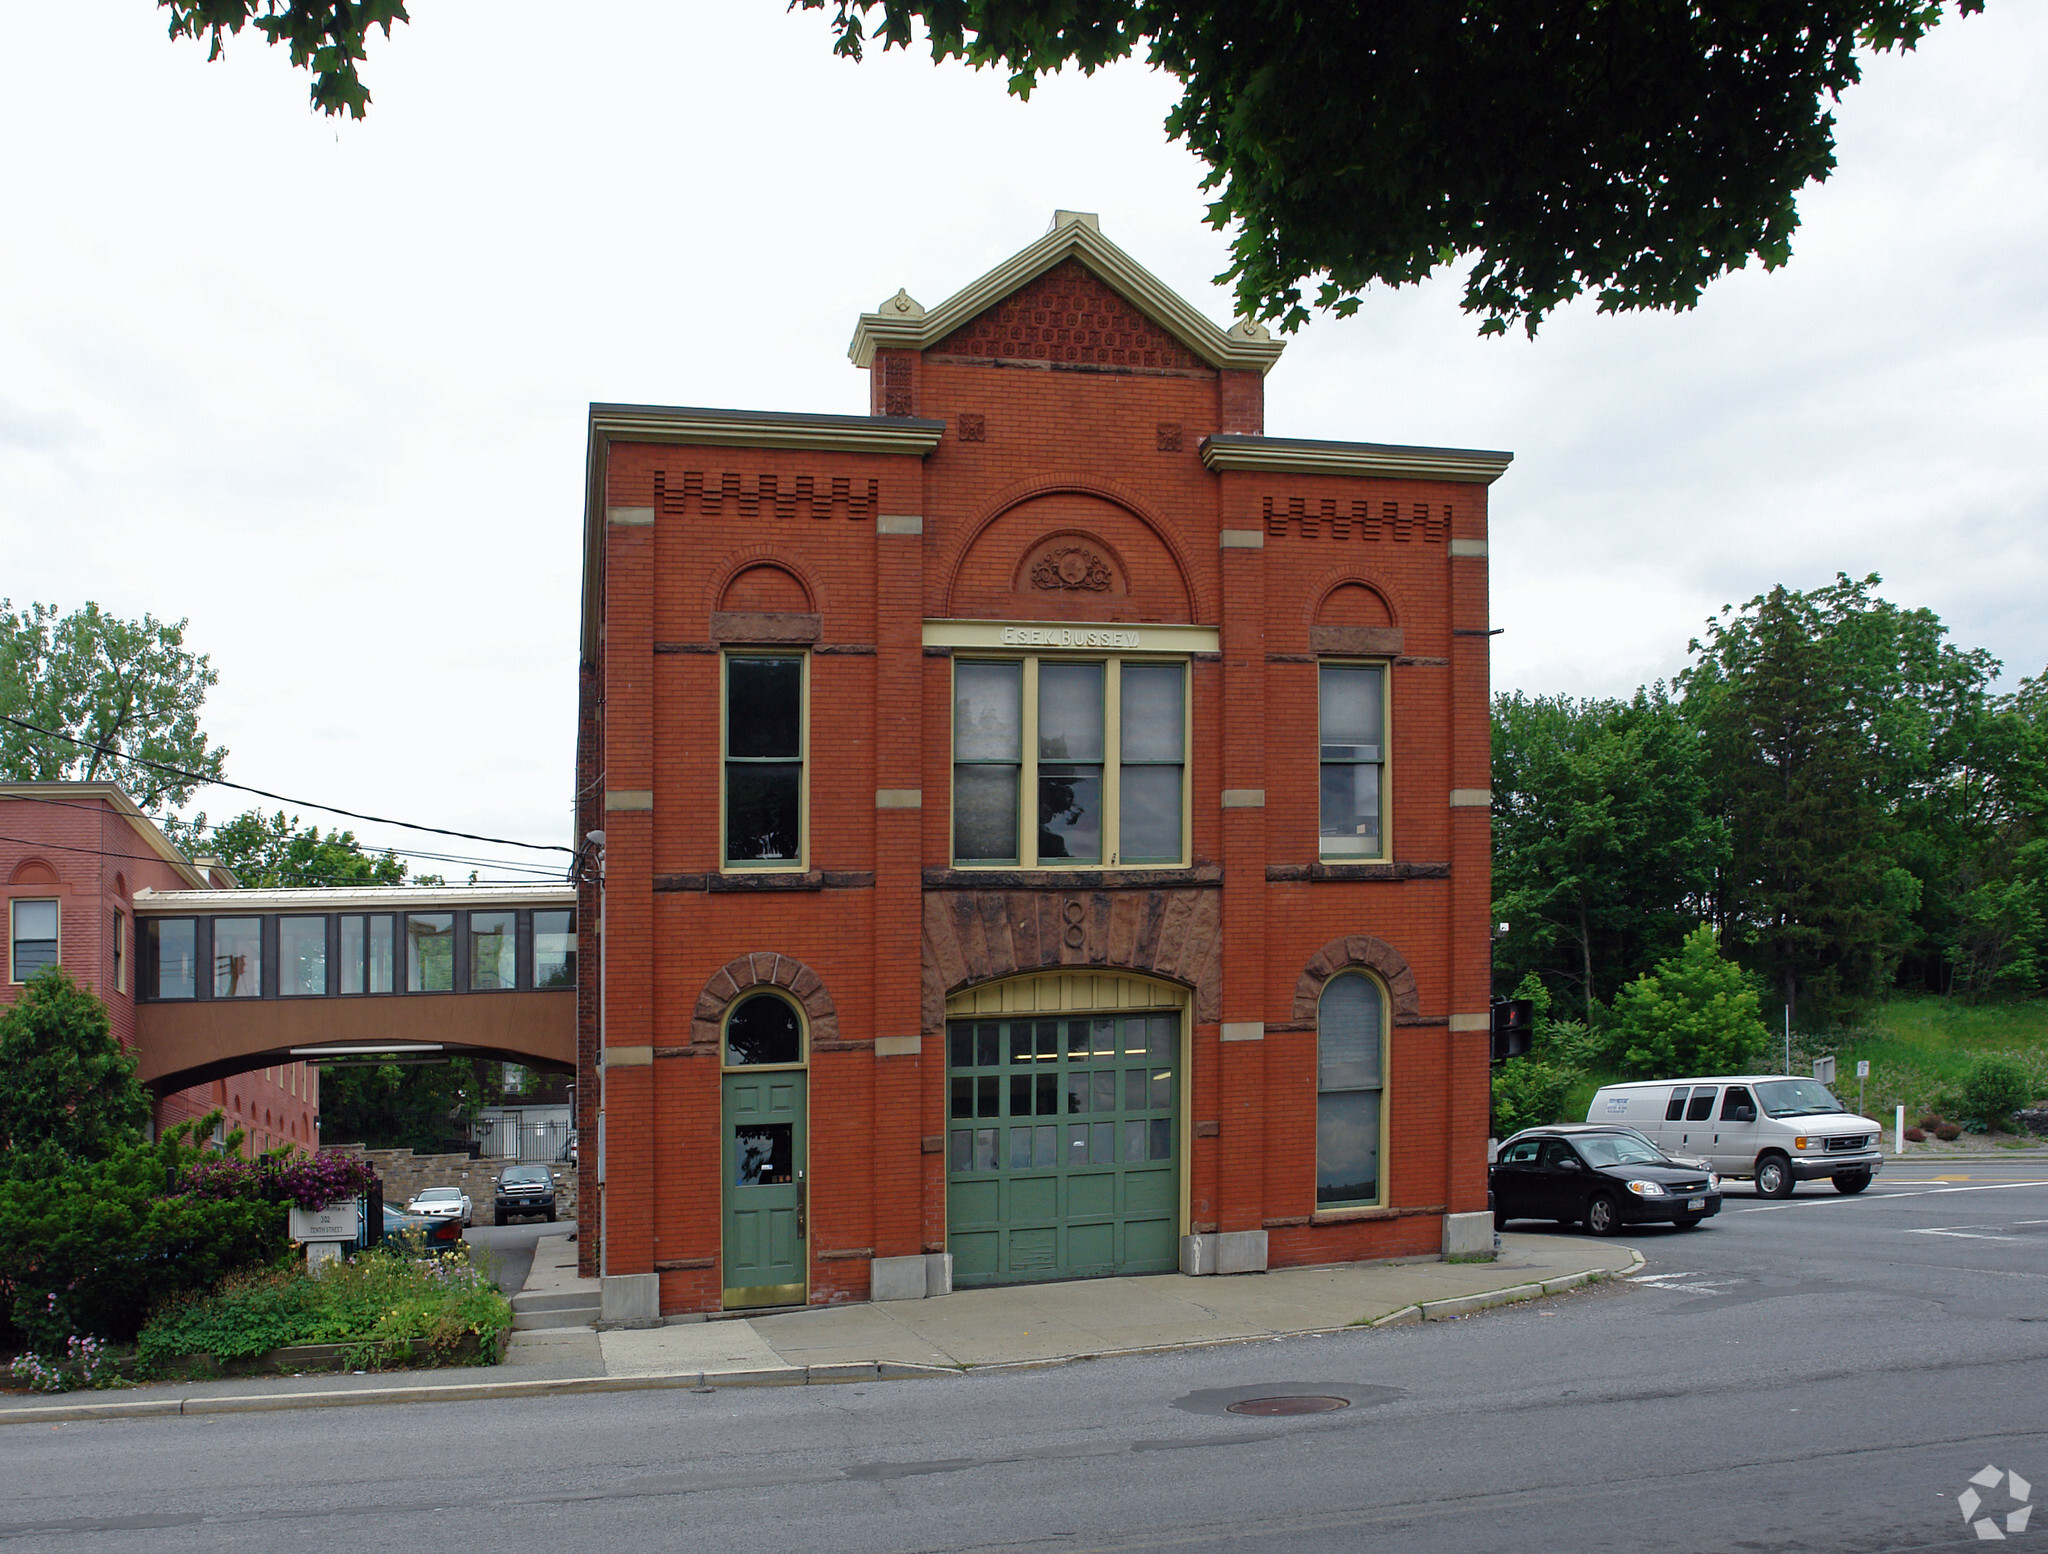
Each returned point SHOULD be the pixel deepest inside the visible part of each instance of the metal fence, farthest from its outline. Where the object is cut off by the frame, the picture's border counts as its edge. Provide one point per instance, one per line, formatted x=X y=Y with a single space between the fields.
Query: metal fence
x=508 y=1138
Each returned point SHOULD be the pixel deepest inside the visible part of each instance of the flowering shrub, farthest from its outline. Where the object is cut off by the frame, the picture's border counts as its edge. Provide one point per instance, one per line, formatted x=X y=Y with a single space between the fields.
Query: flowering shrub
x=1916 y=1136
x=378 y=1301
x=310 y=1181
x=84 y=1363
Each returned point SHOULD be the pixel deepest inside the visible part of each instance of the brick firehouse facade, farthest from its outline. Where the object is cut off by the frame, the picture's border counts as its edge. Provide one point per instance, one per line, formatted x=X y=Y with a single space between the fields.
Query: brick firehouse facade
x=1037 y=829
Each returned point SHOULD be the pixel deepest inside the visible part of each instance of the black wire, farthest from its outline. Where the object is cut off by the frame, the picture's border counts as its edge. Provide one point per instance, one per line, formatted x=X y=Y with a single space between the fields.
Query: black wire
x=101 y=852
x=368 y=850
x=265 y=793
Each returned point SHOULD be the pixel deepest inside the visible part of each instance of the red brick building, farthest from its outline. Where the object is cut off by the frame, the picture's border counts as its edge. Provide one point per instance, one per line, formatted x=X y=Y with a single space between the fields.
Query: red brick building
x=73 y=856
x=1039 y=827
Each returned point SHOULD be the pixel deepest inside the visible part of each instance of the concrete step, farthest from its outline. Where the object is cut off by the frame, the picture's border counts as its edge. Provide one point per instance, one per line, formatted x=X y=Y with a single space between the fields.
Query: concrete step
x=533 y=1321
x=557 y=1300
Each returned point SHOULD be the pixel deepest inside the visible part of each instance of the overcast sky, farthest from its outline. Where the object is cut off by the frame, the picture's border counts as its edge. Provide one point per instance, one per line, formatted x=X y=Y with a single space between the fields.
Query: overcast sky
x=321 y=387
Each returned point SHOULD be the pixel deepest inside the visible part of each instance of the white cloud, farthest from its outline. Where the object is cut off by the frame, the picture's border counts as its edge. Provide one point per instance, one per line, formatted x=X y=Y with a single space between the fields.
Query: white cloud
x=321 y=387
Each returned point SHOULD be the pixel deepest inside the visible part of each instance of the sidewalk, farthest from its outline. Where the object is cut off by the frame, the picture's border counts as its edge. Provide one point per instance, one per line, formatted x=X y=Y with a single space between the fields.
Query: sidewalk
x=1017 y=1325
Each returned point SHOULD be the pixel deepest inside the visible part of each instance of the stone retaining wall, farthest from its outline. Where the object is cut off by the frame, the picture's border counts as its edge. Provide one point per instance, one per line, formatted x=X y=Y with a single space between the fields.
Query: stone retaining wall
x=406 y=1173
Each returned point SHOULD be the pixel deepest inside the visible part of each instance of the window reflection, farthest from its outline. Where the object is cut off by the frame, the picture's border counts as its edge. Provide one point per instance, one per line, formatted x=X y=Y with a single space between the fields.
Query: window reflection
x=430 y=952
x=554 y=949
x=173 y=955
x=493 y=951
x=237 y=957
x=302 y=956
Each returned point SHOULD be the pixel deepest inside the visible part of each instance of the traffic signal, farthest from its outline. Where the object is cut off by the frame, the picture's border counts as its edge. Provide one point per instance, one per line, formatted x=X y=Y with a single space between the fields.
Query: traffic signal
x=1514 y=1024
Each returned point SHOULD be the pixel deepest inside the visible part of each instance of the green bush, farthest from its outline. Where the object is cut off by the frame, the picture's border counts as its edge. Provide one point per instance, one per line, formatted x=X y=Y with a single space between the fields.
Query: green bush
x=1696 y=1013
x=1528 y=1093
x=1995 y=1088
x=92 y=1247
x=379 y=1301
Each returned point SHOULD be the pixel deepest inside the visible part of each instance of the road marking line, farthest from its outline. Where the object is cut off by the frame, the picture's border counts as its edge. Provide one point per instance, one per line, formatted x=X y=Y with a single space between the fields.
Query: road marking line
x=1962 y=1235
x=1890 y=1197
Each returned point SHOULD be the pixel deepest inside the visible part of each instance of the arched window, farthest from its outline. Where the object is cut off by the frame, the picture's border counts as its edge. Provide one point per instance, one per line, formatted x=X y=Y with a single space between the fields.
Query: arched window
x=1351 y=1024
x=763 y=1029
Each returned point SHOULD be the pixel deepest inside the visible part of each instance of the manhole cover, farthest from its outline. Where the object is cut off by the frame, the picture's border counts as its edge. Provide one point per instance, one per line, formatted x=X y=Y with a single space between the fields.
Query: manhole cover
x=1267 y=1407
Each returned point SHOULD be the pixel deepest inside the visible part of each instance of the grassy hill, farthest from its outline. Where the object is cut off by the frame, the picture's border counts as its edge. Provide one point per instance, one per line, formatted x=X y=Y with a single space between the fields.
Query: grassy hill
x=1920 y=1047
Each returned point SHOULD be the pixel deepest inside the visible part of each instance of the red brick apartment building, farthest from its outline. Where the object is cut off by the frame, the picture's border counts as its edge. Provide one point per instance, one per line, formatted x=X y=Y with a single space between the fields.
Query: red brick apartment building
x=73 y=857
x=1039 y=827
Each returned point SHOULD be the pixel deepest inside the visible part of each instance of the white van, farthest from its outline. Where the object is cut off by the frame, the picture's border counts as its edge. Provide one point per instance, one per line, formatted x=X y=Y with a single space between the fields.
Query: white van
x=1778 y=1131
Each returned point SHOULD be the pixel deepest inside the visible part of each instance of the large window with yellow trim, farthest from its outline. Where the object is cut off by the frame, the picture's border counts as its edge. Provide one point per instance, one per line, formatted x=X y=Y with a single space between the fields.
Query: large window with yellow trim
x=1351 y=1088
x=764 y=734
x=1351 y=708
x=1069 y=762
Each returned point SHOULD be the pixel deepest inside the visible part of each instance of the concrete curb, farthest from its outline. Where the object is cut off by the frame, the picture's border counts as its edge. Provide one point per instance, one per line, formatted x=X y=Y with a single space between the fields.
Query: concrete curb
x=838 y=1373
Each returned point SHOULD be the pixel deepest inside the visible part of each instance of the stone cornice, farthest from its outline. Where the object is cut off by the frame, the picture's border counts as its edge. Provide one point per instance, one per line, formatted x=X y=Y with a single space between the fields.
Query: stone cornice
x=765 y=429
x=1301 y=456
x=901 y=324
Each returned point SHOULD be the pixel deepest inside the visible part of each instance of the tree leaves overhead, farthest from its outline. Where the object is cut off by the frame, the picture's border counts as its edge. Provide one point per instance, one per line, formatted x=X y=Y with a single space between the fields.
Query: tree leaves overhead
x=1634 y=150
x=274 y=851
x=117 y=687
x=326 y=37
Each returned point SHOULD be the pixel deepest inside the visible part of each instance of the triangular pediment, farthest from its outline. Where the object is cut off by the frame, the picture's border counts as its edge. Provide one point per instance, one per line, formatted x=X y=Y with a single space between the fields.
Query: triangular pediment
x=1072 y=296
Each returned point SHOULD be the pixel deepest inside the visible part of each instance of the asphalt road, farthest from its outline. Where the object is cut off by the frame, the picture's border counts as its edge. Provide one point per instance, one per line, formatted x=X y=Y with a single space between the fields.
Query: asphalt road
x=507 y=1250
x=1822 y=1374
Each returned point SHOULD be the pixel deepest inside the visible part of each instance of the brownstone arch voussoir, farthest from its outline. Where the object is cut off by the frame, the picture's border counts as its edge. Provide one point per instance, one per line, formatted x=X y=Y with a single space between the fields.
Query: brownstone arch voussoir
x=749 y=973
x=1345 y=954
x=973 y=936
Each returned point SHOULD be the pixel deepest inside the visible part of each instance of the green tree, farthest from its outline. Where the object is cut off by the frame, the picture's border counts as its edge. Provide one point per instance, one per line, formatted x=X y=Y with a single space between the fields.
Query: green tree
x=1835 y=725
x=1635 y=150
x=1696 y=1013
x=1605 y=846
x=276 y=851
x=105 y=688
x=422 y=1106
x=68 y=1090
x=92 y=1246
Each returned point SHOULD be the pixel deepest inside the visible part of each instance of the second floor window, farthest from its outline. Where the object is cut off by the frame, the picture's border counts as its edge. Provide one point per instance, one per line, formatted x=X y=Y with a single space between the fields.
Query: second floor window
x=764 y=761
x=33 y=934
x=1060 y=762
x=1352 y=705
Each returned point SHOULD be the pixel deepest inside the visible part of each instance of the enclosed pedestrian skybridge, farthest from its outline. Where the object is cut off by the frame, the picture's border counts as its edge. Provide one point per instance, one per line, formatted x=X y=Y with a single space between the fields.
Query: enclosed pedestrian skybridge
x=230 y=980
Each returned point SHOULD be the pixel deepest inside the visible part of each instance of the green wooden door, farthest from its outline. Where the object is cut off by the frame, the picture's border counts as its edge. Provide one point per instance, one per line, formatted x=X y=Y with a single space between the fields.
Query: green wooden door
x=1062 y=1147
x=764 y=1170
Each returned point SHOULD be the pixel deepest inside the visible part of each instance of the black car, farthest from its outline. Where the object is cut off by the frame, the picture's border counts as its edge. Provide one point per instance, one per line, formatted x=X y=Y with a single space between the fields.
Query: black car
x=525 y=1189
x=1603 y=1178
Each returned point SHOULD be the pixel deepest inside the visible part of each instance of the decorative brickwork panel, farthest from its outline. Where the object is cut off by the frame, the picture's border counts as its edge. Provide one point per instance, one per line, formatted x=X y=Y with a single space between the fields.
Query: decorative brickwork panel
x=1358 y=518
x=984 y=935
x=693 y=493
x=895 y=384
x=1341 y=955
x=766 y=968
x=973 y=427
x=1171 y=437
x=1067 y=315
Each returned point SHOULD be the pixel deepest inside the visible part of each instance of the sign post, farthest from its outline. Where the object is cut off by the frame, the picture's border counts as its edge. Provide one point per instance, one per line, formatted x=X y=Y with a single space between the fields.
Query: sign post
x=1862 y=1073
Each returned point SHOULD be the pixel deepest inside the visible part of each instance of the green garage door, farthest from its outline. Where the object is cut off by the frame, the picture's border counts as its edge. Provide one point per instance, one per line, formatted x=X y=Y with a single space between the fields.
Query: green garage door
x=1062 y=1145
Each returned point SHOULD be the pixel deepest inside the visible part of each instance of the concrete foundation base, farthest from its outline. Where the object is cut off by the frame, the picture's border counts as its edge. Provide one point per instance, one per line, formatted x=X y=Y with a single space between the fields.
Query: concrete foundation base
x=910 y=1278
x=1468 y=1235
x=1228 y=1251
x=630 y=1297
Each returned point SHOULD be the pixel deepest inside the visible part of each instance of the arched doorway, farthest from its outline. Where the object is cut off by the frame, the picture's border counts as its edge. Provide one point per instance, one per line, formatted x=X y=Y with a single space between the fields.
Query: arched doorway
x=1066 y=1127
x=764 y=1152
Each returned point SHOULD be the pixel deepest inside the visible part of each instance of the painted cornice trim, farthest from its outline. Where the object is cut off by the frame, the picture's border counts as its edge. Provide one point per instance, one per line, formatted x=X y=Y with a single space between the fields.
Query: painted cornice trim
x=766 y=429
x=1301 y=456
x=903 y=325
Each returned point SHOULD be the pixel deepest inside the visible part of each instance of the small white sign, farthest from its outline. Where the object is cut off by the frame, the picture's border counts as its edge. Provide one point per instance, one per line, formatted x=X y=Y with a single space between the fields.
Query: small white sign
x=1067 y=637
x=336 y=1222
x=320 y=1253
x=1863 y=1068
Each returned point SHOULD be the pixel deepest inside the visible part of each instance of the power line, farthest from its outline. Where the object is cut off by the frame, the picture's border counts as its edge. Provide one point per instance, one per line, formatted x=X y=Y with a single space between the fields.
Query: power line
x=265 y=793
x=42 y=845
x=368 y=851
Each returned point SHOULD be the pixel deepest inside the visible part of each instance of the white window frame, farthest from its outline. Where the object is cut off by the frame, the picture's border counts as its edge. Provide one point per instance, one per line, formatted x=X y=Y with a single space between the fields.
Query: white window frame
x=1112 y=760
x=13 y=937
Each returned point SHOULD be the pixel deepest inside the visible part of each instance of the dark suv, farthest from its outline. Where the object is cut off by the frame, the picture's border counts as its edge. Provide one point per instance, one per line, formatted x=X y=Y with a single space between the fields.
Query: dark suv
x=525 y=1189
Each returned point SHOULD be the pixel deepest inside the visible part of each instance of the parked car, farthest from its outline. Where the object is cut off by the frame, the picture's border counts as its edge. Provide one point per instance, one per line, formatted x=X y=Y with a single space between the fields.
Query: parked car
x=1603 y=1178
x=1776 y=1130
x=418 y=1235
x=524 y=1190
x=442 y=1203
x=568 y=1153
